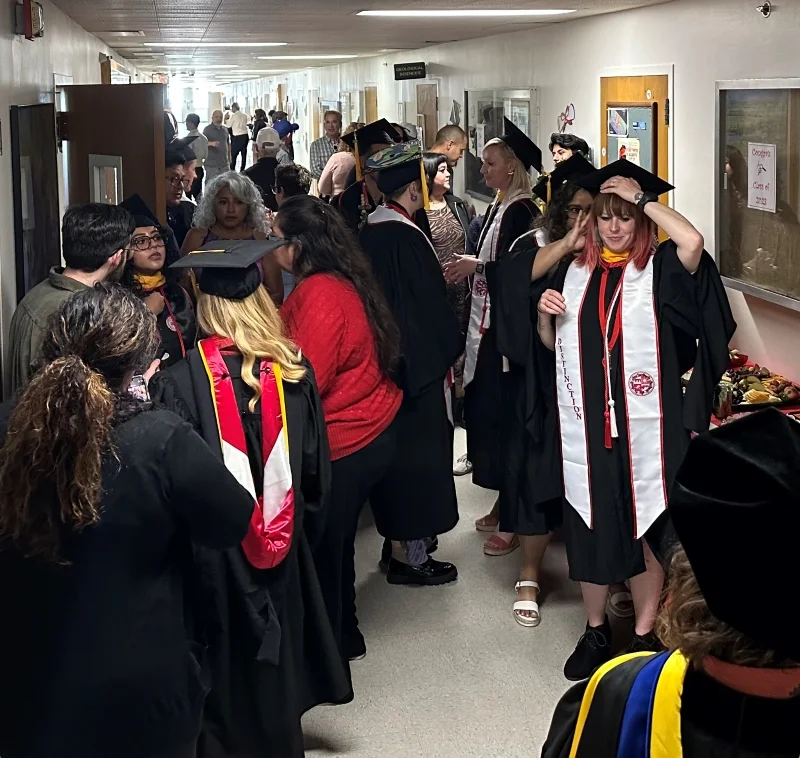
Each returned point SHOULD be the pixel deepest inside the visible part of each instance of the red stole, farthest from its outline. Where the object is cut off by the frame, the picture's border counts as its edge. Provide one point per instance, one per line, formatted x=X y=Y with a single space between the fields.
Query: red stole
x=270 y=534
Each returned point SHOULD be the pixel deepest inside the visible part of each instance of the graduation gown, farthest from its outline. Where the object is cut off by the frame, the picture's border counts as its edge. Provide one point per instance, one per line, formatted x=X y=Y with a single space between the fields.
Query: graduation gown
x=482 y=388
x=531 y=481
x=349 y=205
x=271 y=647
x=418 y=497
x=177 y=325
x=623 y=715
x=688 y=308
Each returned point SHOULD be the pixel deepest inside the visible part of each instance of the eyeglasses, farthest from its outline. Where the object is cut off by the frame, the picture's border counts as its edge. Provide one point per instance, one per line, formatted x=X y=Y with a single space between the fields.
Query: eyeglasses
x=144 y=242
x=573 y=211
x=275 y=190
x=276 y=238
x=176 y=181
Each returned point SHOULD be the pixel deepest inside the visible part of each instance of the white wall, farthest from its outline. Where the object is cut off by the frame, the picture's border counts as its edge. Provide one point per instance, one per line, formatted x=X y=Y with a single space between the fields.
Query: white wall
x=26 y=78
x=701 y=42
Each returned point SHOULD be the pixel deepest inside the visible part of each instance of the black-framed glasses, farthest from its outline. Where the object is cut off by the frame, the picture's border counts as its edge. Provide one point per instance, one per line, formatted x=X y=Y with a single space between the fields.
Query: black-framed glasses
x=176 y=181
x=573 y=211
x=144 y=242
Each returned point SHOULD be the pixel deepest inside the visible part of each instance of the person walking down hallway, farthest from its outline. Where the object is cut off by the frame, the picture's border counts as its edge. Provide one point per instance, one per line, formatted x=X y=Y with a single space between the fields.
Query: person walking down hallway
x=218 y=160
x=200 y=150
x=95 y=245
x=231 y=209
x=262 y=173
x=236 y=121
x=101 y=499
x=417 y=499
x=323 y=148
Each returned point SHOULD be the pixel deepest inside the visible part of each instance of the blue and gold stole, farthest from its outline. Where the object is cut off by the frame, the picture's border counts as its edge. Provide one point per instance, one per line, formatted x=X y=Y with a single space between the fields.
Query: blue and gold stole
x=631 y=708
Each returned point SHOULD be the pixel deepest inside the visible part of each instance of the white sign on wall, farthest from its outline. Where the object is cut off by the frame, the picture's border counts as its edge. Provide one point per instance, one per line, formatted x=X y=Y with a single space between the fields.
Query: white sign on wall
x=762 y=188
x=629 y=149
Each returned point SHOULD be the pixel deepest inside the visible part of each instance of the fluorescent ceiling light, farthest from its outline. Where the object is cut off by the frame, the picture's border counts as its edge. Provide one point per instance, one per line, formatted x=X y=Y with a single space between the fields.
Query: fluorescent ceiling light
x=488 y=13
x=262 y=71
x=122 y=34
x=189 y=66
x=215 y=44
x=303 y=57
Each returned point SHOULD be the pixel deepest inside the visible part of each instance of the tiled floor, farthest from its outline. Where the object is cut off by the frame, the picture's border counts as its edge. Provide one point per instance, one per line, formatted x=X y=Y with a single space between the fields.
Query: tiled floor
x=448 y=673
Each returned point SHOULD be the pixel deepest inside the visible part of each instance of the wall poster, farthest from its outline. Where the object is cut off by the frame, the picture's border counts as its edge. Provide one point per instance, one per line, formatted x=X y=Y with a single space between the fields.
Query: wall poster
x=761 y=185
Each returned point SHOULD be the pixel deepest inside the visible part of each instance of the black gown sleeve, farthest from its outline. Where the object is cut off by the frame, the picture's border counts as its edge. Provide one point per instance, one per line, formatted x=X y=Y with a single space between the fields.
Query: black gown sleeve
x=204 y=495
x=165 y=391
x=565 y=718
x=696 y=305
x=316 y=464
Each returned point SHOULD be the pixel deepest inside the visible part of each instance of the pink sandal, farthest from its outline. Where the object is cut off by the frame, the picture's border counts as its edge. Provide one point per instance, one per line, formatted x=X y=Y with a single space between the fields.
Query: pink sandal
x=497 y=546
x=487 y=523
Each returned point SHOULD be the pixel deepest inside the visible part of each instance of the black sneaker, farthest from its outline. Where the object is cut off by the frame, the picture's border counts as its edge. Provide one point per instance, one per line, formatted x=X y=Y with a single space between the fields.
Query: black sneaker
x=592 y=651
x=645 y=643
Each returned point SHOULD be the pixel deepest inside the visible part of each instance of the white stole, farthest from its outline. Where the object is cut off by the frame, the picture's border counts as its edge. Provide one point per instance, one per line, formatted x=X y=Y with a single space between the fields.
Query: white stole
x=480 y=307
x=641 y=414
x=381 y=215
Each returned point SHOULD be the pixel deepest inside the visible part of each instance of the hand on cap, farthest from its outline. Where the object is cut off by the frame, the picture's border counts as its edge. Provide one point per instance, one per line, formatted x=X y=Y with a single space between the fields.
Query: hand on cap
x=622 y=186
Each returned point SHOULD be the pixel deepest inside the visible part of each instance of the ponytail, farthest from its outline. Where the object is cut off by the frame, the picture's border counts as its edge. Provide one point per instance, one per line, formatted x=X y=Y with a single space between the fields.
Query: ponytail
x=57 y=437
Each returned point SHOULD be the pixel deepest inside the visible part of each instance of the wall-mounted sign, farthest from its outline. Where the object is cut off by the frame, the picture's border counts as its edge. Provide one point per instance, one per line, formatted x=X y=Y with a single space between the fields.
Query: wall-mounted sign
x=761 y=187
x=405 y=71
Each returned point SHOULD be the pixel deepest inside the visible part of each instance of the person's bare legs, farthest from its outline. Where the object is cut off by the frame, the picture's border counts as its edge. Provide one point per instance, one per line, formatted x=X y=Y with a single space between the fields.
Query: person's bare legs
x=491 y=519
x=594 y=602
x=646 y=589
x=533 y=550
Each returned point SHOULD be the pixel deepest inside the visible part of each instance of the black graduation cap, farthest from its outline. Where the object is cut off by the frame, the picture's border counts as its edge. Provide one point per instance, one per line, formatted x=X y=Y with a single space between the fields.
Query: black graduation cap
x=647 y=181
x=570 y=170
x=523 y=146
x=379 y=132
x=182 y=146
x=736 y=498
x=229 y=267
x=140 y=211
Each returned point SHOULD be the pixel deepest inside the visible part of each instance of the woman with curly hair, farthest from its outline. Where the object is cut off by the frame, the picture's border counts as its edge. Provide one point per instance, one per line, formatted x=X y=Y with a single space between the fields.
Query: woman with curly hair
x=231 y=208
x=153 y=250
x=101 y=498
x=728 y=684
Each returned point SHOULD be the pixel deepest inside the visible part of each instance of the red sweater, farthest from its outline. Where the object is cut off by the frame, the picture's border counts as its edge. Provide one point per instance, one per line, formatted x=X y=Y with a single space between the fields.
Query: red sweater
x=326 y=318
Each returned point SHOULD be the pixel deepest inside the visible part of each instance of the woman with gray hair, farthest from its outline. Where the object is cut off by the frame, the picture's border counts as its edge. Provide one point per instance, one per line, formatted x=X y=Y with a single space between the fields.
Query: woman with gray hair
x=231 y=208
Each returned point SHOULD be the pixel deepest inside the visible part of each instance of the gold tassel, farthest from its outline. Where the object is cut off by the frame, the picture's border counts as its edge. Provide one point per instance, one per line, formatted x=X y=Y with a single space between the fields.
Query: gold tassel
x=549 y=190
x=424 y=182
x=358 y=158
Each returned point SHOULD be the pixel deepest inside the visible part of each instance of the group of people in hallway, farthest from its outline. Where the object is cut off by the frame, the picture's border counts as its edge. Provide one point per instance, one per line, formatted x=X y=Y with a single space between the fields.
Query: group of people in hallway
x=203 y=408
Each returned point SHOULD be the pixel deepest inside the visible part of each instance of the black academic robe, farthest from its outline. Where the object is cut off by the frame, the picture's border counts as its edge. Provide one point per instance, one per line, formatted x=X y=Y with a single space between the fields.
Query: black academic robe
x=177 y=318
x=179 y=219
x=531 y=486
x=716 y=721
x=349 y=205
x=482 y=394
x=418 y=498
x=271 y=647
x=688 y=308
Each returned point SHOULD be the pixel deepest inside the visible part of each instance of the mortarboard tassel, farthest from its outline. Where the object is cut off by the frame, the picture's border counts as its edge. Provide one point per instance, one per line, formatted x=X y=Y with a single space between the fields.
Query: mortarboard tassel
x=358 y=157
x=424 y=182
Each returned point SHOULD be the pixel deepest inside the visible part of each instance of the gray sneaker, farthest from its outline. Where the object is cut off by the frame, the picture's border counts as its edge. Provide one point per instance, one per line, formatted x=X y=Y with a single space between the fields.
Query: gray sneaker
x=462 y=466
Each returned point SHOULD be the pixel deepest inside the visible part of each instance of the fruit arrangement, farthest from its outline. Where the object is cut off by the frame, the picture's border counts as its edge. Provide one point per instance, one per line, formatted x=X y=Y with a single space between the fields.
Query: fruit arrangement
x=757 y=385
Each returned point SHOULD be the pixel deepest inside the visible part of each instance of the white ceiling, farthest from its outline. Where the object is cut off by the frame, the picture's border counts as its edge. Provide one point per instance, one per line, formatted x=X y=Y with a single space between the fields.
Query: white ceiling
x=311 y=27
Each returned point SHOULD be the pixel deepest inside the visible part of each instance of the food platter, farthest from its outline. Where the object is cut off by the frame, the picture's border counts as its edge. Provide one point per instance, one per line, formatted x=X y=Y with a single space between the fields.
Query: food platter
x=753 y=387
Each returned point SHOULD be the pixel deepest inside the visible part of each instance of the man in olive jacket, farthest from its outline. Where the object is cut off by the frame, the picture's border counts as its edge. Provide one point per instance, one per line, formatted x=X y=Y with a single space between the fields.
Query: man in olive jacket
x=95 y=245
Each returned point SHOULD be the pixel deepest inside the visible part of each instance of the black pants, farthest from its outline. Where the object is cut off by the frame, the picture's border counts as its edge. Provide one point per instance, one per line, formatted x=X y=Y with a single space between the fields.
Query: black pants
x=239 y=145
x=197 y=185
x=353 y=479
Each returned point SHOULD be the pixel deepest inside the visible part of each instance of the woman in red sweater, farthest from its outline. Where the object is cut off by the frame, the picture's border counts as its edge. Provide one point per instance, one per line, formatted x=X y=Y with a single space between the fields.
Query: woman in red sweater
x=338 y=317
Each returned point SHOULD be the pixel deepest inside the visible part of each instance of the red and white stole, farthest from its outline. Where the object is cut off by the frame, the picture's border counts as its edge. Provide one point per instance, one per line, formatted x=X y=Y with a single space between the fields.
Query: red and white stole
x=480 y=307
x=641 y=374
x=381 y=215
x=270 y=534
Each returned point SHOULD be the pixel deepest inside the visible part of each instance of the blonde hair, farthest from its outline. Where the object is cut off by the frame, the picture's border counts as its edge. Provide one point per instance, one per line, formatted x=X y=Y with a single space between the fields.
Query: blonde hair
x=521 y=180
x=257 y=331
x=343 y=147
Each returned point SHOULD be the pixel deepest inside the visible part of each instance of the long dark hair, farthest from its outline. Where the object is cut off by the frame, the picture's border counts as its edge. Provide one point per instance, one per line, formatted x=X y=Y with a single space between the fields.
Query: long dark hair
x=555 y=221
x=432 y=161
x=327 y=246
x=60 y=431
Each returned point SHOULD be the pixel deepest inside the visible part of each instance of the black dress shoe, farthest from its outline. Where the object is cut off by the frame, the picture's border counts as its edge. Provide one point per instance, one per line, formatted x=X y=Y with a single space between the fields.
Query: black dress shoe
x=355 y=648
x=592 y=651
x=429 y=573
x=645 y=643
x=386 y=555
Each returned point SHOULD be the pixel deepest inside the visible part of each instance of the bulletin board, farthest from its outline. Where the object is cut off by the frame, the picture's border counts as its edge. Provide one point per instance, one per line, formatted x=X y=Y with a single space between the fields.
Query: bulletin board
x=758 y=188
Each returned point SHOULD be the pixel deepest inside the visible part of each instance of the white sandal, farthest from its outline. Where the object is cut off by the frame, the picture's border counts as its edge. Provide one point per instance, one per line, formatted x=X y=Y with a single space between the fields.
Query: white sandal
x=527 y=605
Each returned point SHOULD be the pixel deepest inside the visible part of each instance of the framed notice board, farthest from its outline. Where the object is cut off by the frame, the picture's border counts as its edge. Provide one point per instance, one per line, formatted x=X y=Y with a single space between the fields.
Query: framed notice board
x=758 y=188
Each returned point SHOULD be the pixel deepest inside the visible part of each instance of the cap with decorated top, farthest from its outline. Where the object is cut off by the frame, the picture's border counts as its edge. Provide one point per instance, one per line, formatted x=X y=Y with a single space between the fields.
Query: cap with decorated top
x=647 y=181
x=522 y=145
x=362 y=141
x=571 y=170
x=398 y=166
x=229 y=267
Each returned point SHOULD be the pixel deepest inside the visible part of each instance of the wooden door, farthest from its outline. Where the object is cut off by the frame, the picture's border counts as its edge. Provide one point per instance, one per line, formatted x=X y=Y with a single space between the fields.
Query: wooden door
x=316 y=116
x=370 y=104
x=638 y=124
x=428 y=112
x=111 y=161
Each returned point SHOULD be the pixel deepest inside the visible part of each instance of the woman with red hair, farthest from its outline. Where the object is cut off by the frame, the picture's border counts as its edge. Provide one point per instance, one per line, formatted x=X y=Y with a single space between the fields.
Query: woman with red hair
x=626 y=318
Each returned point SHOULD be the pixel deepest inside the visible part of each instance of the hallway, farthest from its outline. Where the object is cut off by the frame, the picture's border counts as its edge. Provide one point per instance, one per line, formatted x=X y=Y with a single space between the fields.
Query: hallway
x=448 y=672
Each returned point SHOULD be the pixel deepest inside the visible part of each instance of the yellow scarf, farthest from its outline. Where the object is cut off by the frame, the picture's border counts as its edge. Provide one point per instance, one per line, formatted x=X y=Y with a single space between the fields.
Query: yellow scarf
x=611 y=257
x=150 y=282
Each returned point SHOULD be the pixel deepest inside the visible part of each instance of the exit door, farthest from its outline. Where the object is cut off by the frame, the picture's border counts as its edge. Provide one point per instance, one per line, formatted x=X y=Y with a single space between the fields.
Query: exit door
x=116 y=143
